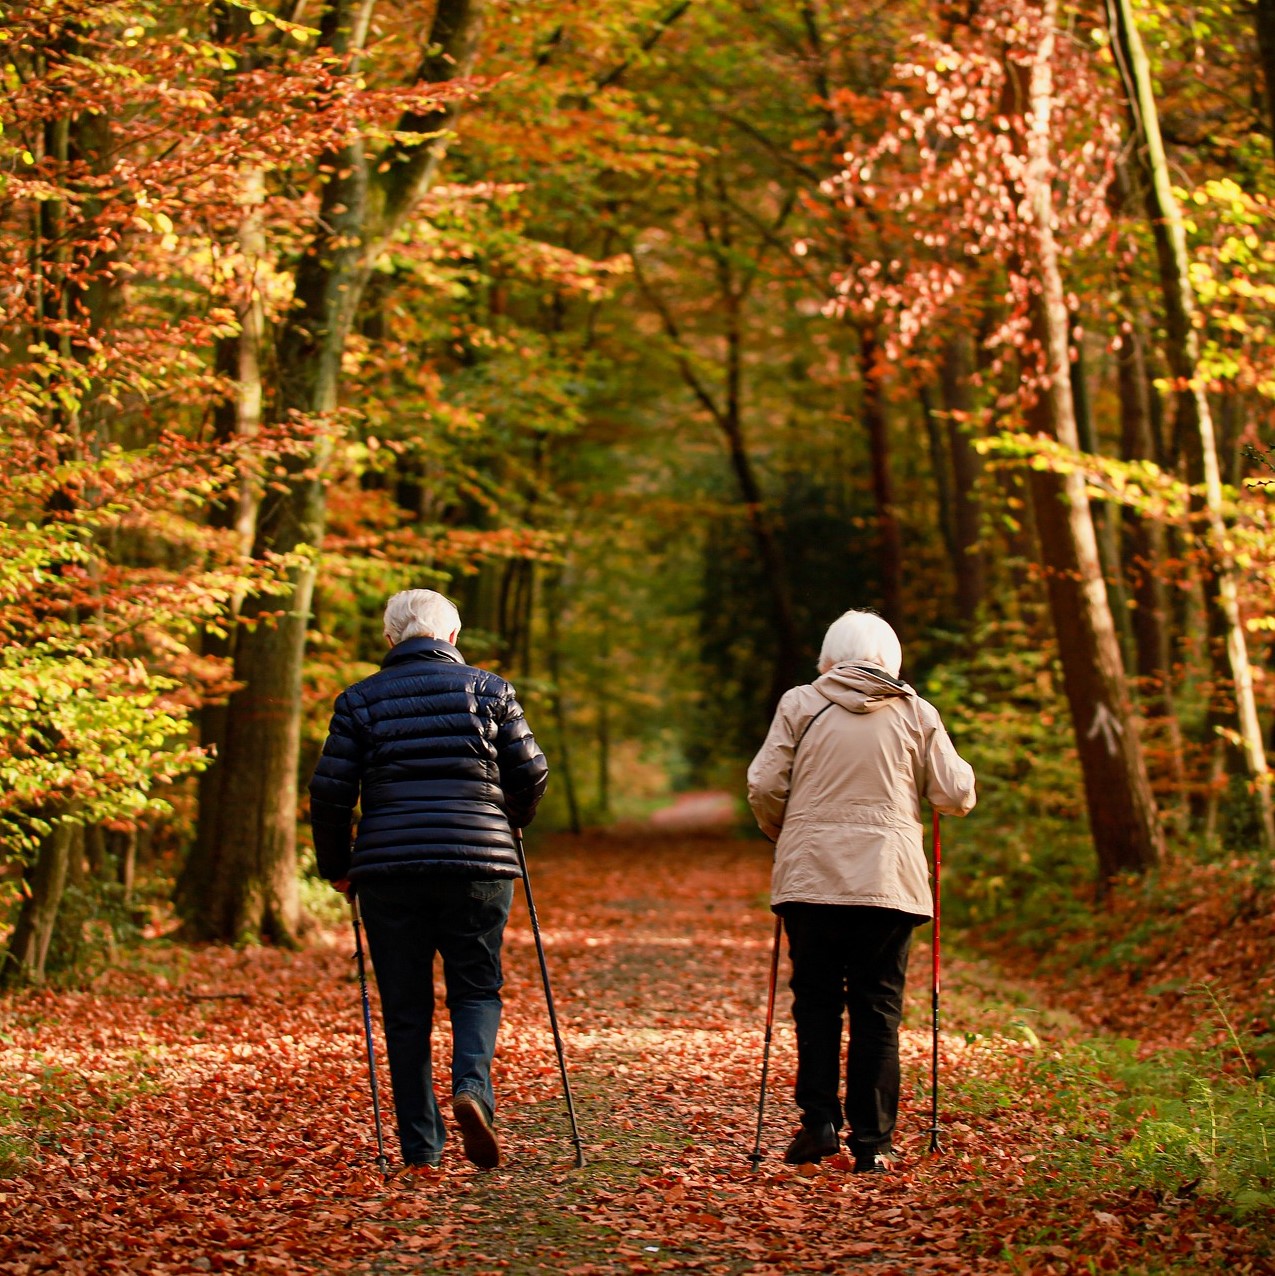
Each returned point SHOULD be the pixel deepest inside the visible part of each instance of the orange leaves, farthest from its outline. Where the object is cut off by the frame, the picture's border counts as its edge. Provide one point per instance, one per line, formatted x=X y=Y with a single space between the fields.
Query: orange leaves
x=170 y=1132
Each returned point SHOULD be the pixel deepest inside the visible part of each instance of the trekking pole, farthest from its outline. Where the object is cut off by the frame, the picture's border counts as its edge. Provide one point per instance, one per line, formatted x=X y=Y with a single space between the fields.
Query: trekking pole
x=933 y=1130
x=765 y=1053
x=553 y=1016
x=382 y=1161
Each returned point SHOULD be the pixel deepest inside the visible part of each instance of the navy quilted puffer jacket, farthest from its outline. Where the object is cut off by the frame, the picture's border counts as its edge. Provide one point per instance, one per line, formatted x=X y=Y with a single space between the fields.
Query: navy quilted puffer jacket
x=444 y=762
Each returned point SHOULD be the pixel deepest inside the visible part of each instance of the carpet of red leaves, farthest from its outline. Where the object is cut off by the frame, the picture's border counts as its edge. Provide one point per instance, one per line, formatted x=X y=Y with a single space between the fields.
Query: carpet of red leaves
x=1160 y=948
x=218 y=1119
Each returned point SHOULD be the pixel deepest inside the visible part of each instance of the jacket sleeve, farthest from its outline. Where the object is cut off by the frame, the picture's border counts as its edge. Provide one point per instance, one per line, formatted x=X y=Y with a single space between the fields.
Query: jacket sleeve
x=524 y=773
x=949 y=779
x=334 y=791
x=770 y=773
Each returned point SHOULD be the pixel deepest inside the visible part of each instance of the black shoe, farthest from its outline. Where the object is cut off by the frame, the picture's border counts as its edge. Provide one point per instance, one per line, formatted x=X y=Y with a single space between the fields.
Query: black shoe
x=877 y=1161
x=476 y=1134
x=812 y=1144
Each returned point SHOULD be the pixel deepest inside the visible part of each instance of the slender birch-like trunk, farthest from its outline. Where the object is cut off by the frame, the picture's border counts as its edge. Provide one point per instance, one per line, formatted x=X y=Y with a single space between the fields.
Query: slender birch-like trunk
x=1183 y=351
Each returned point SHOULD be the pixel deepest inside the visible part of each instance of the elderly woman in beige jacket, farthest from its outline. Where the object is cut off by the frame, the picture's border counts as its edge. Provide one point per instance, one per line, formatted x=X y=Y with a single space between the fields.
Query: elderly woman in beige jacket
x=838 y=785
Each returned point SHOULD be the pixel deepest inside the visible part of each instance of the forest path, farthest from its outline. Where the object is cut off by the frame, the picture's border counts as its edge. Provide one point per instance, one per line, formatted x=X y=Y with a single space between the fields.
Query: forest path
x=212 y=1113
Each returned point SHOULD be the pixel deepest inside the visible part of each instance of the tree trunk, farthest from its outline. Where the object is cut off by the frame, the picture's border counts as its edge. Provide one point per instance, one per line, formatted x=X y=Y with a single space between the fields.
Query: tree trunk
x=604 y=724
x=889 y=543
x=238 y=359
x=941 y=469
x=967 y=469
x=727 y=416
x=46 y=881
x=73 y=303
x=553 y=666
x=1194 y=413
x=254 y=889
x=1264 y=19
x=1121 y=807
x=1144 y=559
x=125 y=849
x=1103 y=521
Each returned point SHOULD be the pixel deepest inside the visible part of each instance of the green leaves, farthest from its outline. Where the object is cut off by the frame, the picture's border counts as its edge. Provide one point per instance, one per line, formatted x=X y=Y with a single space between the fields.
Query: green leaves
x=86 y=731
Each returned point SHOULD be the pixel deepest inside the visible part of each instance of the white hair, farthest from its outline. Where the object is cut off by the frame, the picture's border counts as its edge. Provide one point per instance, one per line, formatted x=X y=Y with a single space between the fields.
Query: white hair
x=420 y=613
x=861 y=638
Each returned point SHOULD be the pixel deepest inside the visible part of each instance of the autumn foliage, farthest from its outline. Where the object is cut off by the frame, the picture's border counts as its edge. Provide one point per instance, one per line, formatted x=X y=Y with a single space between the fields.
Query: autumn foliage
x=209 y=1110
x=656 y=334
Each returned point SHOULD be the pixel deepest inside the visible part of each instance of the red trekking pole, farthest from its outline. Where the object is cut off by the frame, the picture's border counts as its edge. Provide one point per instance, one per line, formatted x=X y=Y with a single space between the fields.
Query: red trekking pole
x=933 y=1130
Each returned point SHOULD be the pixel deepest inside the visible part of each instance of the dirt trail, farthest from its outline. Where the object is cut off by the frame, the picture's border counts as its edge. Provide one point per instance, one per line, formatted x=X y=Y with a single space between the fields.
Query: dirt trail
x=219 y=1117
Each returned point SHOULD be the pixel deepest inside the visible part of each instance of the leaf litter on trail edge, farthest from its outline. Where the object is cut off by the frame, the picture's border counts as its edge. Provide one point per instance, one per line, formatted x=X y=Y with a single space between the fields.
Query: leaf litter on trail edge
x=206 y=1132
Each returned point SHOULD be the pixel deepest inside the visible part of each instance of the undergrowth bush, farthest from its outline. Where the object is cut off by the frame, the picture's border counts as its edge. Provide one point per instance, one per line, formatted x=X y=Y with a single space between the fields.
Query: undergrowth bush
x=1196 y=1120
x=95 y=919
x=1024 y=854
x=1023 y=863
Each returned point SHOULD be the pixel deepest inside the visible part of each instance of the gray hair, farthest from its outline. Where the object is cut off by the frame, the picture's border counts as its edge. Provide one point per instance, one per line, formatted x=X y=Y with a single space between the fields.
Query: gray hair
x=861 y=638
x=420 y=613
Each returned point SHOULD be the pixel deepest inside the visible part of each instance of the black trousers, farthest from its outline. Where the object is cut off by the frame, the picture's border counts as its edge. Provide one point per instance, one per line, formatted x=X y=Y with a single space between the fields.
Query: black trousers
x=848 y=959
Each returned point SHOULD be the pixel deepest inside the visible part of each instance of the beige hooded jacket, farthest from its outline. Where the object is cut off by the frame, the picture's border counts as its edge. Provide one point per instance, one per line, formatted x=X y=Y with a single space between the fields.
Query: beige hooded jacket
x=845 y=806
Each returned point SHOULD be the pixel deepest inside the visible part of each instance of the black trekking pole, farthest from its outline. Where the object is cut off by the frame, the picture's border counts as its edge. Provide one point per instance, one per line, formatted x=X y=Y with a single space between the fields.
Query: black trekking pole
x=933 y=1130
x=765 y=1053
x=382 y=1161
x=553 y=1015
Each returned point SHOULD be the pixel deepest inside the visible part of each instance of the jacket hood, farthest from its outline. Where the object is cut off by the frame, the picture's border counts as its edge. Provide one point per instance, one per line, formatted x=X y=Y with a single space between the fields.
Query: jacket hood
x=421 y=649
x=861 y=688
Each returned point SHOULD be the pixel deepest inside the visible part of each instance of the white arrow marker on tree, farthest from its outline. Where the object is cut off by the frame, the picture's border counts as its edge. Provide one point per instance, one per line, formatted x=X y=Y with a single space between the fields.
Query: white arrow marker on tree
x=1108 y=725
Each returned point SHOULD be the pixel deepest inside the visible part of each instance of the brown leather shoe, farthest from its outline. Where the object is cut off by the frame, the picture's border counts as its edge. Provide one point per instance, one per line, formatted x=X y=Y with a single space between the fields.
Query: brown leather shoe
x=477 y=1136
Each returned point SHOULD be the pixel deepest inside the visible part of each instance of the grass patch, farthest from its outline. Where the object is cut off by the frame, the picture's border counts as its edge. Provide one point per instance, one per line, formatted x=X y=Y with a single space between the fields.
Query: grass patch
x=34 y=1119
x=1174 y=1122
x=1110 y=1117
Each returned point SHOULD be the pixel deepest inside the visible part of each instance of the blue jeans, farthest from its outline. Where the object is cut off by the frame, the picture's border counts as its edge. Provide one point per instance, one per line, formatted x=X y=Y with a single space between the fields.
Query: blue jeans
x=409 y=918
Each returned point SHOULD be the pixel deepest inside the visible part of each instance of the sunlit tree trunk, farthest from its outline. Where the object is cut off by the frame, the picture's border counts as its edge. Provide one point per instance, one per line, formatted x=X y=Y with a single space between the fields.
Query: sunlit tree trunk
x=46 y=881
x=74 y=304
x=604 y=722
x=253 y=888
x=1194 y=411
x=1103 y=521
x=1122 y=812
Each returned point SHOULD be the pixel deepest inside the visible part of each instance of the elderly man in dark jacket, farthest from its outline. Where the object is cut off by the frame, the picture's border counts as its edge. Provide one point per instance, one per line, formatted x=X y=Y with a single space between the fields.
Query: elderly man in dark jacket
x=447 y=770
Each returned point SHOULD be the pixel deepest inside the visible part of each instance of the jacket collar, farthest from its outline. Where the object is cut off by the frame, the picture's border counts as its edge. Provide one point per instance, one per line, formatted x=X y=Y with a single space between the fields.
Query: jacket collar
x=421 y=649
x=881 y=673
